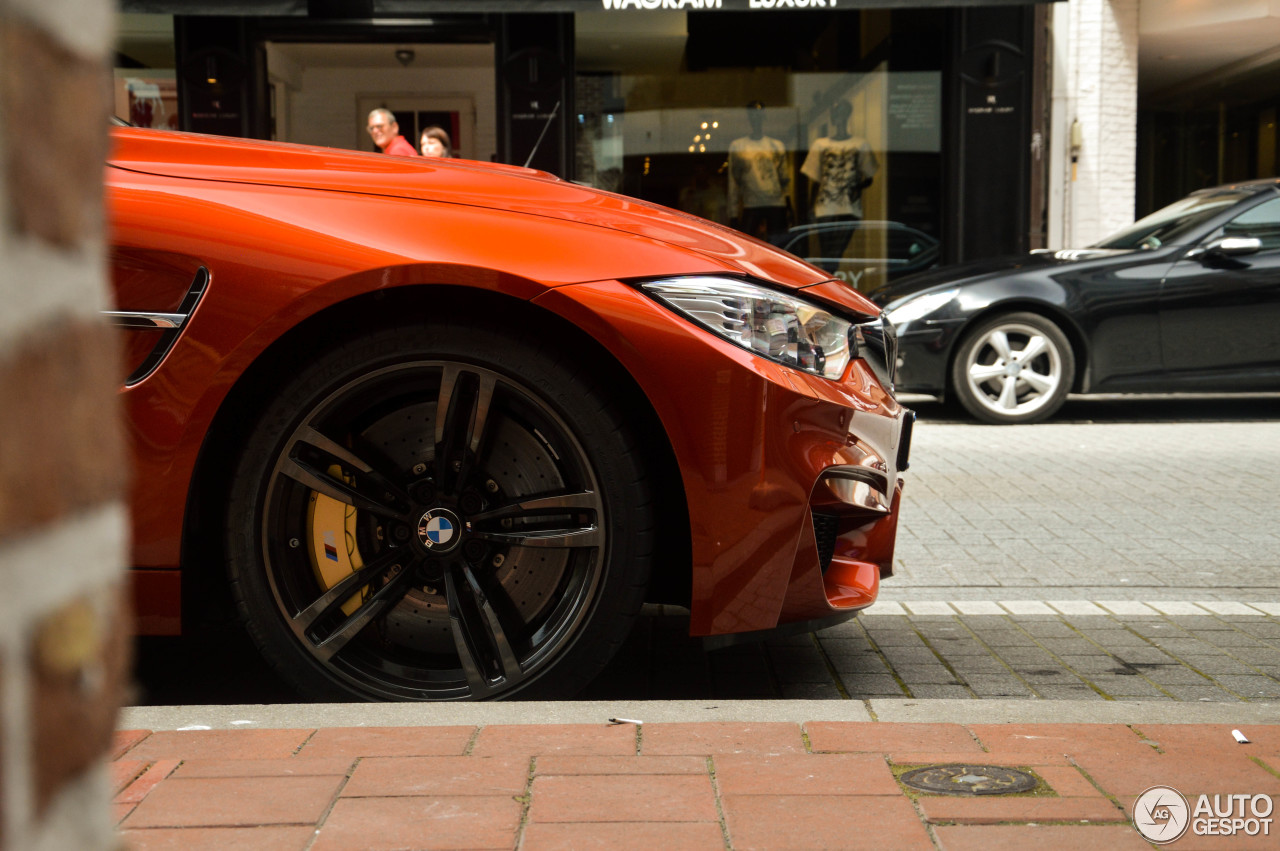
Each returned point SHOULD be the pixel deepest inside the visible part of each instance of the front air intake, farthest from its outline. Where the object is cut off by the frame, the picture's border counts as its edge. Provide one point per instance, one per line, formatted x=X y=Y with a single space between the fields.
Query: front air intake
x=825 y=529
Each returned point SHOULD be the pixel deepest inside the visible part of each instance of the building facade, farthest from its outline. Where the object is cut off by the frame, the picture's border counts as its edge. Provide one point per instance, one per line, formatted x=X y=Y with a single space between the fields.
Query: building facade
x=1154 y=99
x=872 y=137
x=984 y=129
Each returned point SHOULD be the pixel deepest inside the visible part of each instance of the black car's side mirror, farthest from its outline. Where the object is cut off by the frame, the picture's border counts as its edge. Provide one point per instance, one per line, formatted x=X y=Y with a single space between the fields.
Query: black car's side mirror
x=1228 y=246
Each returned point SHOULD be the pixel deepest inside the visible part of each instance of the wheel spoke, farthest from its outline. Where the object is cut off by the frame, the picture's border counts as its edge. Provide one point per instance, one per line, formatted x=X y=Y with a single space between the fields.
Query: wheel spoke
x=982 y=373
x=311 y=455
x=462 y=413
x=481 y=623
x=1009 y=394
x=544 y=521
x=338 y=594
x=381 y=600
x=1039 y=382
x=542 y=504
x=1036 y=346
x=588 y=536
x=484 y=399
x=1000 y=342
x=446 y=415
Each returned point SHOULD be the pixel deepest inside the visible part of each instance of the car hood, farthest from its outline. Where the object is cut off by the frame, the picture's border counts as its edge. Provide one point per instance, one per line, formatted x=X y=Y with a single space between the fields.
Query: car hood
x=980 y=270
x=450 y=181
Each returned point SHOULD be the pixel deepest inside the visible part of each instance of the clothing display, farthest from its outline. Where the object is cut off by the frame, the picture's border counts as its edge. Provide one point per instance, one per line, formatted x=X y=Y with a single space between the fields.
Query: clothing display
x=757 y=173
x=839 y=168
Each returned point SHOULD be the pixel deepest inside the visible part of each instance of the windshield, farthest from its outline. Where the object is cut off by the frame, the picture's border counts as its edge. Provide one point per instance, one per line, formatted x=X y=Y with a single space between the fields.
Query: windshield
x=1168 y=226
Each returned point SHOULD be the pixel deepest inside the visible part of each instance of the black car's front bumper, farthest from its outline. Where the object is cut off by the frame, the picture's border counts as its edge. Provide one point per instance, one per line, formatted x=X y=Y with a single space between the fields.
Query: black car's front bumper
x=924 y=355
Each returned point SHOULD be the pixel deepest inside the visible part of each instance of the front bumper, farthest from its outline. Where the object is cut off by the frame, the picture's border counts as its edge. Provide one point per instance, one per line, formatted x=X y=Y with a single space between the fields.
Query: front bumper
x=924 y=354
x=792 y=481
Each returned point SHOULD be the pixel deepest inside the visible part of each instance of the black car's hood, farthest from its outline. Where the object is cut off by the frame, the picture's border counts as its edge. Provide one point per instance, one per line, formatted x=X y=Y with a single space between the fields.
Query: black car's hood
x=977 y=270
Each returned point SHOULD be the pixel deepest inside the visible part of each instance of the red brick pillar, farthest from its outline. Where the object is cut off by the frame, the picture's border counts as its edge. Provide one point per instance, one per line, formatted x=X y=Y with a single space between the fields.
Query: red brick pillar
x=64 y=635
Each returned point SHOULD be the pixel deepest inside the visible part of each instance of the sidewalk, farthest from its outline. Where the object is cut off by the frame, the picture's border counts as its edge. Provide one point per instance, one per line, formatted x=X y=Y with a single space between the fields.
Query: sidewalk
x=694 y=775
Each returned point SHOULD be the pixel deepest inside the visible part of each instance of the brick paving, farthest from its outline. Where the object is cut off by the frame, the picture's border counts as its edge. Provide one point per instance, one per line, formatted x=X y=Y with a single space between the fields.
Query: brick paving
x=711 y=785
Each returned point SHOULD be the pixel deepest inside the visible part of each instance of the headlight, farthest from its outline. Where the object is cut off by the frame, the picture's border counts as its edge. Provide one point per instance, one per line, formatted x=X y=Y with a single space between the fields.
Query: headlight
x=919 y=307
x=772 y=324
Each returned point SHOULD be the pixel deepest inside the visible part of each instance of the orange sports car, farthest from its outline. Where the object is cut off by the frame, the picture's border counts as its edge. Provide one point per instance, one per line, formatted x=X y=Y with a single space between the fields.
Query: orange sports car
x=439 y=428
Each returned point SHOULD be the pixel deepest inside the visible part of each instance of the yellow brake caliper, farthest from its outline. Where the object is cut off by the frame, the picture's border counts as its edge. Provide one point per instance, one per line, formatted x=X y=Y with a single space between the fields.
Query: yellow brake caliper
x=334 y=555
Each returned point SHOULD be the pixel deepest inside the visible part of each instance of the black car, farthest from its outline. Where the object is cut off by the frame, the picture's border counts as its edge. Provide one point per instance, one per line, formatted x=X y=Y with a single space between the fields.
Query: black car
x=1185 y=300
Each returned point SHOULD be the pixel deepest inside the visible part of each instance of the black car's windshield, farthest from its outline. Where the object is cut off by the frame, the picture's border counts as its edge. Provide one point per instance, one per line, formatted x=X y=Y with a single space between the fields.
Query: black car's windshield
x=1168 y=226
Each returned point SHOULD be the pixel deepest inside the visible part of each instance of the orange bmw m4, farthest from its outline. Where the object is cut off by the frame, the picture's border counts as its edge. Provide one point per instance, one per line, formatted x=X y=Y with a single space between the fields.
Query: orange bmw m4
x=439 y=428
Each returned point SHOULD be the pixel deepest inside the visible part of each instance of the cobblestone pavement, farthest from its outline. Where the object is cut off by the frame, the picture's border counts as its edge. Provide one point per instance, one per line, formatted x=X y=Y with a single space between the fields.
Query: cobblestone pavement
x=1218 y=658
x=1139 y=511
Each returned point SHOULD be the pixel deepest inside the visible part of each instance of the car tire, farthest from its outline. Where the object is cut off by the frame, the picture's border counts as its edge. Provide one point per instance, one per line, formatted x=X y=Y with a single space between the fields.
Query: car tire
x=440 y=513
x=1013 y=368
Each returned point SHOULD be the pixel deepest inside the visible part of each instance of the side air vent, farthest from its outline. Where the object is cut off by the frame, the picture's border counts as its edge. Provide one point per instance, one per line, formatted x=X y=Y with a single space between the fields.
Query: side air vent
x=169 y=324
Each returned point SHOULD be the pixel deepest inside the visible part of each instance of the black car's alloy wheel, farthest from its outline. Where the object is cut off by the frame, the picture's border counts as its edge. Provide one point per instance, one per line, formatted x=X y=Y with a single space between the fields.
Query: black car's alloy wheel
x=439 y=514
x=1013 y=368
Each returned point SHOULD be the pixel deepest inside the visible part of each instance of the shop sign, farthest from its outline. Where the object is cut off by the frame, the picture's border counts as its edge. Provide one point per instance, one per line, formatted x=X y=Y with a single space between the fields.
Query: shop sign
x=697 y=5
x=991 y=106
x=391 y=8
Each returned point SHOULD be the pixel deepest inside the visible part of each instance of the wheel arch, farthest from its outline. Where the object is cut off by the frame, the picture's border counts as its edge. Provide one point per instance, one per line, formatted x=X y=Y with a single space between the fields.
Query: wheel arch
x=206 y=594
x=1059 y=317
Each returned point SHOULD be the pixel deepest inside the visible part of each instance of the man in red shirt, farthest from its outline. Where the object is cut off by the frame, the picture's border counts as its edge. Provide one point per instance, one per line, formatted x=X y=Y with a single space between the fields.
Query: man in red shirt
x=386 y=134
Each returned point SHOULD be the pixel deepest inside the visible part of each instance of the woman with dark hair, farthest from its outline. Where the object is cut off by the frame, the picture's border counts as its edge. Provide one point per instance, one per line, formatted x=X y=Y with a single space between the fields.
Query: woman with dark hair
x=435 y=143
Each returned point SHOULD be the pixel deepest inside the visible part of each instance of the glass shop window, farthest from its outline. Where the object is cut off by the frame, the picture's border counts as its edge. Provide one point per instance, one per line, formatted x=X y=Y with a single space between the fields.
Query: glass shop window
x=146 y=88
x=818 y=131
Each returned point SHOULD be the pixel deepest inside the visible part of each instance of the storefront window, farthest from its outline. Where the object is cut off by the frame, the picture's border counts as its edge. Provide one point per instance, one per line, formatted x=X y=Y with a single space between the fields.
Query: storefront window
x=819 y=132
x=146 y=90
x=147 y=98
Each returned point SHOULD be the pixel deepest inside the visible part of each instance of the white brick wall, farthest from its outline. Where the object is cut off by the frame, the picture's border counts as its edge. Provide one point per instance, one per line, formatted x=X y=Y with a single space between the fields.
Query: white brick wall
x=1096 y=84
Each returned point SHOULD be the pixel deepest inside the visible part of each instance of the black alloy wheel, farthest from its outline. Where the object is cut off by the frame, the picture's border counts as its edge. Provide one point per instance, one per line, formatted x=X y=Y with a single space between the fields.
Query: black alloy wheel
x=439 y=514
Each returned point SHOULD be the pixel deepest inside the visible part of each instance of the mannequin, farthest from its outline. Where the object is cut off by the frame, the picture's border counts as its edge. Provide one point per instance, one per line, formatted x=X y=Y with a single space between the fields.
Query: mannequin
x=758 y=179
x=840 y=166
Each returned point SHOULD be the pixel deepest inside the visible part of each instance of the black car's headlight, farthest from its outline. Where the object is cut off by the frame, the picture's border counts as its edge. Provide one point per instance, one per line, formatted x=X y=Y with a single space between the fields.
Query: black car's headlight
x=919 y=306
x=770 y=323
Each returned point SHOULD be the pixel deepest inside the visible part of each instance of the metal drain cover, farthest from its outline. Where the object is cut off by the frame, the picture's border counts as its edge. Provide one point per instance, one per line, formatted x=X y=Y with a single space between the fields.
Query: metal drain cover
x=969 y=780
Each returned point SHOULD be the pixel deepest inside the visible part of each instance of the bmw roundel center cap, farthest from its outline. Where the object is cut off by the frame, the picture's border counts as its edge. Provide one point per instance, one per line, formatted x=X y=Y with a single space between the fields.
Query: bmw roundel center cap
x=439 y=530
